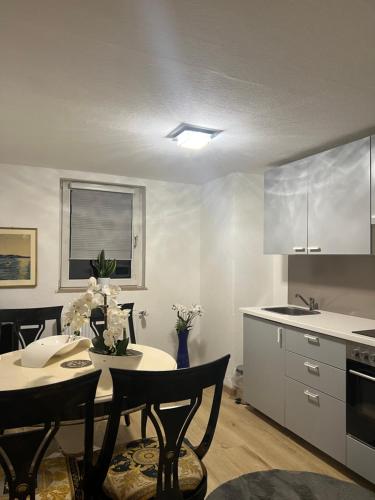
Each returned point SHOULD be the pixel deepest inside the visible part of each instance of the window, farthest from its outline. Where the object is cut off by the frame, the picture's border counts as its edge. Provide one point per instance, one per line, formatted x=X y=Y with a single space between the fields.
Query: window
x=96 y=217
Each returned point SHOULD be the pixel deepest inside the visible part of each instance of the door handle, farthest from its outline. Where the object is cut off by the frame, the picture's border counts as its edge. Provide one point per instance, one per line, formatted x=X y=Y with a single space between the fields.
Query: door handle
x=299 y=249
x=279 y=336
x=315 y=249
x=310 y=367
x=311 y=339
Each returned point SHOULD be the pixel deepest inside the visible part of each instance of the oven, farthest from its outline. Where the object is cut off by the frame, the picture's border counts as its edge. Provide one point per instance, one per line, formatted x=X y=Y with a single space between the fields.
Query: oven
x=360 y=388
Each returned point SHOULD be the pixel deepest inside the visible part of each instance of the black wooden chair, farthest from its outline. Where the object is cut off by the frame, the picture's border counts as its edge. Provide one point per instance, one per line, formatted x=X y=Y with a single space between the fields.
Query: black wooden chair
x=166 y=466
x=34 y=417
x=97 y=321
x=29 y=324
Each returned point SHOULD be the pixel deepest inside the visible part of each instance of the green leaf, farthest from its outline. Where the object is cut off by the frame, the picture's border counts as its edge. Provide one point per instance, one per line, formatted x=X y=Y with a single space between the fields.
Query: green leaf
x=121 y=347
x=107 y=269
x=99 y=345
x=111 y=267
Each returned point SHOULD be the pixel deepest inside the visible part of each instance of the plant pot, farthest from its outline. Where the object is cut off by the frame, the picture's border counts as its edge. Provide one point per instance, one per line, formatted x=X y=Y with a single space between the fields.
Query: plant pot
x=182 y=352
x=104 y=281
x=105 y=361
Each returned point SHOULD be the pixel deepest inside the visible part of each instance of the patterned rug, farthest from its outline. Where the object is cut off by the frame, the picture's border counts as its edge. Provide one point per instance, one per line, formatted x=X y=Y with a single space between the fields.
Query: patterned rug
x=289 y=485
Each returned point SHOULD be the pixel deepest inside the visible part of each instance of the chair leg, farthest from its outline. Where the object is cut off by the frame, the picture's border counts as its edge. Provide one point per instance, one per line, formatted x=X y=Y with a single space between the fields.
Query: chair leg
x=143 y=423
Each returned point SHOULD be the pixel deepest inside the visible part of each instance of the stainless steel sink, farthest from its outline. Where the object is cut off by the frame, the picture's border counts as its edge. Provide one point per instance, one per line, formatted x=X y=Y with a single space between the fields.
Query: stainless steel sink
x=291 y=311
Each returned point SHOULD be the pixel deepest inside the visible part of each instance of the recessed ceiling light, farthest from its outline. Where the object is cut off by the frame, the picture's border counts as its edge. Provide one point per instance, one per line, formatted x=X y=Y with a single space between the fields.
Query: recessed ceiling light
x=192 y=137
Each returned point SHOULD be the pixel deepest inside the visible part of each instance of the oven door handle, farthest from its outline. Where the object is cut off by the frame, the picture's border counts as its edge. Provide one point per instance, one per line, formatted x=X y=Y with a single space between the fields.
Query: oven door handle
x=362 y=375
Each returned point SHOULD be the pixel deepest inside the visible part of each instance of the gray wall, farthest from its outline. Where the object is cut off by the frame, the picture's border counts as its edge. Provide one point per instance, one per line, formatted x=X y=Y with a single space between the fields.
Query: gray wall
x=340 y=283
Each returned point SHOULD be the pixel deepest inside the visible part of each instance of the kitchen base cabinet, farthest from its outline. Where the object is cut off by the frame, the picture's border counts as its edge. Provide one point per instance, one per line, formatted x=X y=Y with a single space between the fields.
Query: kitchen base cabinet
x=264 y=367
x=316 y=417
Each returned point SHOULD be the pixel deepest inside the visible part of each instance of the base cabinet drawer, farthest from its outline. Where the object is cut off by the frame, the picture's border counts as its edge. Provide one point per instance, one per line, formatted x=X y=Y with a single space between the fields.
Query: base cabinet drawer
x=316 y=346
x=316 y=417
x=325 y=378
x=360 y=458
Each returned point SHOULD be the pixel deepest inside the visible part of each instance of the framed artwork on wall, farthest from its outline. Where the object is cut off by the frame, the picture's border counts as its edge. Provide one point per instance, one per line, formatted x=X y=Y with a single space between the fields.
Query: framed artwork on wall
x=18 y=257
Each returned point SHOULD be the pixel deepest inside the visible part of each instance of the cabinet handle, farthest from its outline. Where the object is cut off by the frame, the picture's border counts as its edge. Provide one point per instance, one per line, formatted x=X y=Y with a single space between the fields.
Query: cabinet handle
x=311 y=339
x=311 y=395
x=279 y=336
x=299 y=249
x=310 y=367
x=315 y=249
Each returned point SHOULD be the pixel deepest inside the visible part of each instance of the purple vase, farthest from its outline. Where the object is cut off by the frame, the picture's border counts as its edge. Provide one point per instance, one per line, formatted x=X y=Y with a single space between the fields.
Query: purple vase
x=182 y=352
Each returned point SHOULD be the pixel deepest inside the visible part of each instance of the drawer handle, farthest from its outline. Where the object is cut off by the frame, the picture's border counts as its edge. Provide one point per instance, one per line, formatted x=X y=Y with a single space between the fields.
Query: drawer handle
x=311 y=395
x=311 y=339
x=310 y=367
x=299 y=249
x=315 y=249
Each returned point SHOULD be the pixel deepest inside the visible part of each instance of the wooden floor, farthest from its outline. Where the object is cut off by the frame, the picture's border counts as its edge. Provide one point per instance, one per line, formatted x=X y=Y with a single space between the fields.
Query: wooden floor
x=245 y=441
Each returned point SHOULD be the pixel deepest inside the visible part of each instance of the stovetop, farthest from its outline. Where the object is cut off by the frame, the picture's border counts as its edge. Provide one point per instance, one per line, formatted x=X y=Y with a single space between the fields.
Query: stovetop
x=366 y=333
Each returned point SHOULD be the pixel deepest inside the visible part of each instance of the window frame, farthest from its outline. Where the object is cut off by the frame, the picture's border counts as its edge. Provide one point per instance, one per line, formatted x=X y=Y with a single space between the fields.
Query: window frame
x=137 y=280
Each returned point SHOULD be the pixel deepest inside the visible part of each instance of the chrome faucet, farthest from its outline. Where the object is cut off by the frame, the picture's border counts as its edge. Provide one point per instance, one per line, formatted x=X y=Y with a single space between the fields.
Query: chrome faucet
x=311 y=304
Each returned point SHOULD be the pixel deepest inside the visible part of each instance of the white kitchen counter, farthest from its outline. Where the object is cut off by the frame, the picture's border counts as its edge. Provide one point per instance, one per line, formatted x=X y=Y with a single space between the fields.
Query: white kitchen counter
x=333 y=324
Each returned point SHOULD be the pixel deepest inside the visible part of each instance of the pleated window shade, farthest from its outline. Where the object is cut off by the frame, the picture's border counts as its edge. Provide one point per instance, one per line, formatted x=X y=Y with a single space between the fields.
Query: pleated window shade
x=100 y=220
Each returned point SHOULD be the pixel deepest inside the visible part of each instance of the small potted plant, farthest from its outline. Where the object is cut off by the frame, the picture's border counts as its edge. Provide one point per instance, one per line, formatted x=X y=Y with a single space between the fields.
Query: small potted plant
x=185 y=318
x=103 y=268
x=109 y=348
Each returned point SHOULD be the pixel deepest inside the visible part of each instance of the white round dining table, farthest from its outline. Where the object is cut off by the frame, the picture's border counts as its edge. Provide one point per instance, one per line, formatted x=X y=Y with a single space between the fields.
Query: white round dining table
x=15 y=376
x=70 y=435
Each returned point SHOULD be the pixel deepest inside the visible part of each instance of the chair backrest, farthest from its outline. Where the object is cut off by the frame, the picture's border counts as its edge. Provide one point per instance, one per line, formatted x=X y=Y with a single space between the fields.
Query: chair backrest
x=97 y=321
x=43 y=407
x=133 y=388
x=29 y=324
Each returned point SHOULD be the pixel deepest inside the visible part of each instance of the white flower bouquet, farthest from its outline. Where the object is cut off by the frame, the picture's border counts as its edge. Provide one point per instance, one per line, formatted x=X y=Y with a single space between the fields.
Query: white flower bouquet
x=113 y=341
x=186 y=316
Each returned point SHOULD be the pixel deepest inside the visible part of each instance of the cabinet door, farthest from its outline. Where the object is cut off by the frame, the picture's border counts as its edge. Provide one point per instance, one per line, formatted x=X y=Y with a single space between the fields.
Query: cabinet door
x=285 y=209
x=264 y=367
x=339 y=200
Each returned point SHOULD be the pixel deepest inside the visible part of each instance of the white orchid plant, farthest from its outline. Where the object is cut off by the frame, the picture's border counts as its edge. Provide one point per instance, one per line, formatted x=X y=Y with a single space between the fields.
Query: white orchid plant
x=186 y=316
x=113 y=341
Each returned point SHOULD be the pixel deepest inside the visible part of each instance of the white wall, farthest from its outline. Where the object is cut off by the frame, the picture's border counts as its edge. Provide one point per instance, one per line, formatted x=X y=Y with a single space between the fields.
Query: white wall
x=29 y=197
x=217 y=268
x=234 y=271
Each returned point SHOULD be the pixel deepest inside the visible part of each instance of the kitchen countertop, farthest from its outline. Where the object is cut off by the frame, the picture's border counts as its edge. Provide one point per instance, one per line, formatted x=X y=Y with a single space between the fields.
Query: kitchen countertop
x=333 y=324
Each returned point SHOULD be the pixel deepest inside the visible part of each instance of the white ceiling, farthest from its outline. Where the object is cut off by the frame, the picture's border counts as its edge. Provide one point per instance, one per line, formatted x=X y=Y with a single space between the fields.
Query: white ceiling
x=98 y=84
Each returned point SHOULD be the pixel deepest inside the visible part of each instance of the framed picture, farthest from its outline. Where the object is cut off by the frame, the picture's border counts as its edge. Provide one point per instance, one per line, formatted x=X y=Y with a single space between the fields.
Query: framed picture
x=18 y=257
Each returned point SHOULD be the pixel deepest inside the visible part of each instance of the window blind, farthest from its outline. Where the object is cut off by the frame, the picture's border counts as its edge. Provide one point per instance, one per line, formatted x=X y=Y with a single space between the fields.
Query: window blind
x=100 y=220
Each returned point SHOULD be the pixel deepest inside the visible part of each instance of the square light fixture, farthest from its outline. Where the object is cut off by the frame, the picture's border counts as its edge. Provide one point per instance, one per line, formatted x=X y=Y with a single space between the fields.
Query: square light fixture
x=193 y=137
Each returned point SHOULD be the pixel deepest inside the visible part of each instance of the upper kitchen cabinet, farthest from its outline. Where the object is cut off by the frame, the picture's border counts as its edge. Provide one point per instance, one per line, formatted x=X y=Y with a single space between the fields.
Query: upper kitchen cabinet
x=339 y=200
x=285 y=209
x=321 y=204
